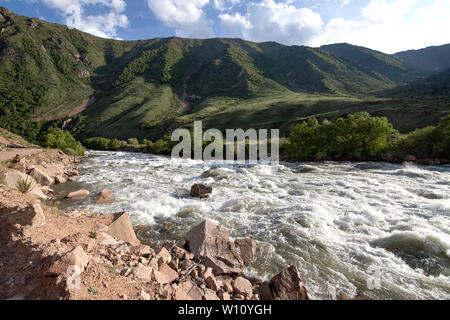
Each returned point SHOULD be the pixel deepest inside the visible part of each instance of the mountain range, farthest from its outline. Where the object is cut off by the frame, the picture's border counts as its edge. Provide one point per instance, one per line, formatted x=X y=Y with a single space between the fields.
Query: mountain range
x=146 y=88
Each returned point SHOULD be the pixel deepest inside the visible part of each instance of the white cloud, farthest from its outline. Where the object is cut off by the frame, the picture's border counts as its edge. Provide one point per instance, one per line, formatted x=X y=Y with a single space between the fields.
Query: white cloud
x=235 y=26
x=103 y=25
x=393 y=25
x=272 y=21
x=186 y=16
x=223 y=5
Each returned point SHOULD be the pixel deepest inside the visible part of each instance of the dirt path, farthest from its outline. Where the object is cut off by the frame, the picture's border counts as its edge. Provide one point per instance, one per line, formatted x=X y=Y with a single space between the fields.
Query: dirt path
x=10 y=154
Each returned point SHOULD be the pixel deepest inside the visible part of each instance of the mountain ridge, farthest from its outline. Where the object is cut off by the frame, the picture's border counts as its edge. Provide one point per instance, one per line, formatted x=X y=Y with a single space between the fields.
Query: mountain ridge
x=145 y=88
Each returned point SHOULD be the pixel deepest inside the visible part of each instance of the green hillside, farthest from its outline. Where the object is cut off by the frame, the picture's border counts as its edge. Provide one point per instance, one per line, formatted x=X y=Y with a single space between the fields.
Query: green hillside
x=431 y=59
x=145 y=89
x=378 y=64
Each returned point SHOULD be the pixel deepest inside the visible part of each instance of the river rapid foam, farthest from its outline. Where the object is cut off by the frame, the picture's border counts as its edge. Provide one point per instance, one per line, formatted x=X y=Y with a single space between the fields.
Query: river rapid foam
x=377 y=229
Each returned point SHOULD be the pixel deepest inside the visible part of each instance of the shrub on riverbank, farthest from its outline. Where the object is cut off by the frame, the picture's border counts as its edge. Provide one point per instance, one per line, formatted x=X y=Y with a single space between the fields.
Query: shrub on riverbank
x=59 y=139
x=103 y=144
x=357 y=137
x=427 y=143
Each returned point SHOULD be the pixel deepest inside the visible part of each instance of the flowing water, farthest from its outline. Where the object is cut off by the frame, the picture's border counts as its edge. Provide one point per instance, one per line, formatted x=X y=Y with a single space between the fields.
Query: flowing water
x=376 y=229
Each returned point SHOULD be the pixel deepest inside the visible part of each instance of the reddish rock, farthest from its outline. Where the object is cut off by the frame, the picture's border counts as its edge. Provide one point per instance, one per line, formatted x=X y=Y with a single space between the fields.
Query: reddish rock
x=12 y=179
x=213 y=284
x=41 y=176
x=224 y=296
x=78 y=194
x=211 y=295
x=212 y=246
x=265 y=291
x=32 y=215
x=247 y=250
x=165 y=274
x=122 y=229
x=287 y=285
x=60 y=179
x=73 y=258
x=183 y=290
x=242 y=286
x=200 y=191
x=143 y=273
x=164 y=256
x=106 y=197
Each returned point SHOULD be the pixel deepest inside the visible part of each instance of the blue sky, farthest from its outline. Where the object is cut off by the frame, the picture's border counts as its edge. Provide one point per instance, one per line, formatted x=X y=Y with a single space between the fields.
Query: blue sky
x=386 y=25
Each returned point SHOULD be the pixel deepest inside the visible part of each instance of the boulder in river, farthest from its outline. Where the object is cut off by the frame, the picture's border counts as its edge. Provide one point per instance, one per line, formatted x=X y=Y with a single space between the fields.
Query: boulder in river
x=211 y=244
x=287 y=285
x=106 y=197
x=78 y=194
x=200 y=191
x=246 y=249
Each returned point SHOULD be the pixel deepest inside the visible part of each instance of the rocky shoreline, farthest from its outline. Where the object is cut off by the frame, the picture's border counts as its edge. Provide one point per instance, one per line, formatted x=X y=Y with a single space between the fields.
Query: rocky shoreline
x=47 y=253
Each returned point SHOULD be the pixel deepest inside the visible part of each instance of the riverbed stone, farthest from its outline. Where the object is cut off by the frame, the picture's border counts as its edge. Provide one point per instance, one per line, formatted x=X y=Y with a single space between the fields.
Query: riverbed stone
x=122 y=229
x=78 y=194
x=105 y=197
x=242 y=286
x=200 y=191
x=211 y=245
x=287 y=285
x=247 y=250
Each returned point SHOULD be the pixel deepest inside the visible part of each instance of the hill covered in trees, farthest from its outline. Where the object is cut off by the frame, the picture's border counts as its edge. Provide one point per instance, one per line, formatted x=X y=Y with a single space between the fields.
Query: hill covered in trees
x=98 y=87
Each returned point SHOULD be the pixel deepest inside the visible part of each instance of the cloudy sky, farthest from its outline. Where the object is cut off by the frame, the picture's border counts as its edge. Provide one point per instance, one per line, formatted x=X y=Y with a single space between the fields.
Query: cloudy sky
x=386 y=25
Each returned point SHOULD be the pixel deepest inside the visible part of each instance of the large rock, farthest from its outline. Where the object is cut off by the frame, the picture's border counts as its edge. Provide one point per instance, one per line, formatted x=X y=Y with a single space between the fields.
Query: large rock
x=106 y=197
x=29 y=216
x=12 y=179
x=200 y=191
x=287 y=285
x=122 y=229
x=165 y=275
x=246 y=249
x=143 y=273
x=410 y=158
x=265 y=292
x=242 y=286
x=59 y=179
x=78 y=194
x=75 y=258
x=212 y=246
x=41 y=176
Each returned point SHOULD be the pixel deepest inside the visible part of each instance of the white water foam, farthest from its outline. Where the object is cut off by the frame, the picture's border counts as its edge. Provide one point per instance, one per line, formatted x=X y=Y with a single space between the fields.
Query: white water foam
x=336 y=221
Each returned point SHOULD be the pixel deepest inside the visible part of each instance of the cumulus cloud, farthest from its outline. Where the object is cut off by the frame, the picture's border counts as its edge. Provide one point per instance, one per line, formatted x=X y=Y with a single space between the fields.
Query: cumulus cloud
x=393 y=25
x=223 y=5
x=274 y=21
x=103 y=25
x=187 y=17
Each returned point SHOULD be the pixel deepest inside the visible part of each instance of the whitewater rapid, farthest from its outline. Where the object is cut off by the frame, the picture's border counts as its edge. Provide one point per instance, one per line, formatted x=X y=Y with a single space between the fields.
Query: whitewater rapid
x=374 y=229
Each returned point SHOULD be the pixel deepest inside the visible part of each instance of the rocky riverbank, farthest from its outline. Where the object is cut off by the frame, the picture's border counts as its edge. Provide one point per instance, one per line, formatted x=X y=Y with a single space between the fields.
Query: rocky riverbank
x=47 y=253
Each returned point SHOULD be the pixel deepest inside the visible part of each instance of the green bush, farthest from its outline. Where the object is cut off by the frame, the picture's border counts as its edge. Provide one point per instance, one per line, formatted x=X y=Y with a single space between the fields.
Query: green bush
x=133 y=141
x=59 y=139
x=427 y=143
x=356 y=137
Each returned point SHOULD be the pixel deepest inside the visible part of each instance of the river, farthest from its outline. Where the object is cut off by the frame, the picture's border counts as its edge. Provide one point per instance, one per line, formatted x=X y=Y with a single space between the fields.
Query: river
x=374 y=229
